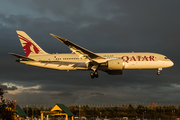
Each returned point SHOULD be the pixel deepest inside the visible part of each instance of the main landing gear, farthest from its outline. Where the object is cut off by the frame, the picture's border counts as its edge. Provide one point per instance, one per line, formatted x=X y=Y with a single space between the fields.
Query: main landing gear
x=94 y=74
x=159 y=71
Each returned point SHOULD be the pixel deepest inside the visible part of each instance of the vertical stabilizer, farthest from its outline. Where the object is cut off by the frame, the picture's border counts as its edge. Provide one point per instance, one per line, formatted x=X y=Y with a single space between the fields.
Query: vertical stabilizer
x=29 y=46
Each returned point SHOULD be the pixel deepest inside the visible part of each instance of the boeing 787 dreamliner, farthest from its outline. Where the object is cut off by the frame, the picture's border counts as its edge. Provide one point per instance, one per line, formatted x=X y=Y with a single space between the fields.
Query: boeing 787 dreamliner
x=83 y=59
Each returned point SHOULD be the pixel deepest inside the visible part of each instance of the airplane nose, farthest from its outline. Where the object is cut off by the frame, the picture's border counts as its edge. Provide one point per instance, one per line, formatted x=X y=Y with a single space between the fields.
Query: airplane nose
x=170 y=63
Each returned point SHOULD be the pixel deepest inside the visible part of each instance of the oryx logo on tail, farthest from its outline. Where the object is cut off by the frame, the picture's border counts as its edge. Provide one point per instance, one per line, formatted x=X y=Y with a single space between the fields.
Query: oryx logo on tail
x=28 y=45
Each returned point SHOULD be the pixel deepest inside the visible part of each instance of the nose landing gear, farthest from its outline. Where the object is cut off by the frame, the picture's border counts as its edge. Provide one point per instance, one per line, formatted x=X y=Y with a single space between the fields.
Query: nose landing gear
x=159 y=71
x=94 y=74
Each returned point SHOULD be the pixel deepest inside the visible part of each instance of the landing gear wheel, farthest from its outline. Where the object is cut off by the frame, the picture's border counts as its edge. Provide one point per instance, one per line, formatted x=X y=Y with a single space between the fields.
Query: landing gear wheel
x=159 y=72
x=92 y=75
x=96 y=74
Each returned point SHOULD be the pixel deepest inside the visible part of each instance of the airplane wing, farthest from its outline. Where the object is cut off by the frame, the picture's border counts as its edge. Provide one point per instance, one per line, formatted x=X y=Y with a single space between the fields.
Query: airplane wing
x=22 y=57
x=80 y=51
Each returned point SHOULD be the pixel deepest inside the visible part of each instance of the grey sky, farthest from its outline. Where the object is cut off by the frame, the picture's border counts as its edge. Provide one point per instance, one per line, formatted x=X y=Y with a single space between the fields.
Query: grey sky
x=99 y=26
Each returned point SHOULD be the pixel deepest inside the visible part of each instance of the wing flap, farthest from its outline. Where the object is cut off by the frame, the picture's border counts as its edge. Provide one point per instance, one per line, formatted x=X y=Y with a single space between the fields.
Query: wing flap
x=62 y=63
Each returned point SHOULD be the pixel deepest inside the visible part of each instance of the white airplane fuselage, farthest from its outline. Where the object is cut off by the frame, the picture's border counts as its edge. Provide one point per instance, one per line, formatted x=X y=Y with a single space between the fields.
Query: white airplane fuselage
x=83 y=59
x=131 y=61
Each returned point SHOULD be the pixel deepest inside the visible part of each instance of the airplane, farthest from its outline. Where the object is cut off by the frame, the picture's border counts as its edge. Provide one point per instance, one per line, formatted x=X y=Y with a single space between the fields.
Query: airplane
x=83 y=59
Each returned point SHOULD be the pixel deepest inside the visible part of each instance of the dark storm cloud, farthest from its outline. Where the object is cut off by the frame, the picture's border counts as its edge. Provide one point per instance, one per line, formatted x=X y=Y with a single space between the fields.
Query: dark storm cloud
x=63 y=94
x=100 y=26
x=96 y=94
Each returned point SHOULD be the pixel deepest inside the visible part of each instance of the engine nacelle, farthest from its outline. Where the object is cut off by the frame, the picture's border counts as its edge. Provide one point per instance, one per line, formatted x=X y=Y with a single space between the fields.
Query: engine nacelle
x=116 y=64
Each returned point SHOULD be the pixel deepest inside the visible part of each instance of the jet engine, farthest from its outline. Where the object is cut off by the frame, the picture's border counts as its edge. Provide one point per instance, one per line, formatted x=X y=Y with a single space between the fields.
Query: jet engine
x=116 y=64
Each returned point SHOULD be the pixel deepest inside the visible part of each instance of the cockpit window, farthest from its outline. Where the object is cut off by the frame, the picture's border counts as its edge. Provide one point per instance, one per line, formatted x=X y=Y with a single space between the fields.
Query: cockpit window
x=165 y=58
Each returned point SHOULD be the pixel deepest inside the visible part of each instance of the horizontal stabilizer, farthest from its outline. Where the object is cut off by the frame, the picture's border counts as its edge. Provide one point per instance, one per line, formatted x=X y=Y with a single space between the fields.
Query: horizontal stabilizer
x=21 y=56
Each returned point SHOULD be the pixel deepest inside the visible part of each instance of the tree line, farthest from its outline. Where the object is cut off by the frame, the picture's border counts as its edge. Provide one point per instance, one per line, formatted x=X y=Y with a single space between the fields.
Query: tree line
x=7 y=107
x=153 y=111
